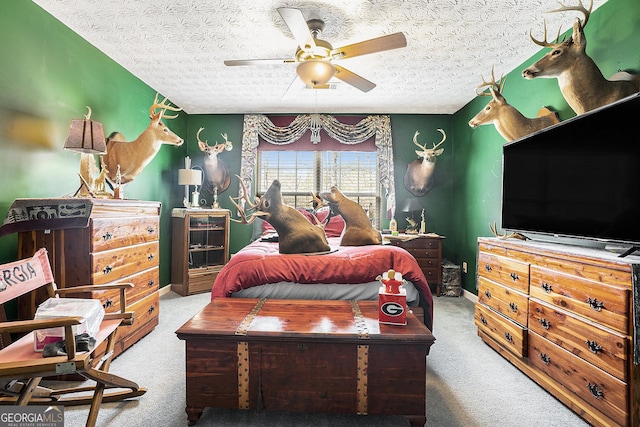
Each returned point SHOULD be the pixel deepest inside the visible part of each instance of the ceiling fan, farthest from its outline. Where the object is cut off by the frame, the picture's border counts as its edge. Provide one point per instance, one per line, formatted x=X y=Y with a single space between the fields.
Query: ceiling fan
x=315 y=56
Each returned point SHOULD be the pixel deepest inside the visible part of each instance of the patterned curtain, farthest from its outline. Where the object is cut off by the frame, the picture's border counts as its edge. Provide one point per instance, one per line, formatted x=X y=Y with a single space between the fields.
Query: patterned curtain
x=379 y=125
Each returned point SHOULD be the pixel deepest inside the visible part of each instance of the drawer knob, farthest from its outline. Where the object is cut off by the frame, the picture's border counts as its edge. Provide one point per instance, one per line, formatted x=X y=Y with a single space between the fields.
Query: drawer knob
x=595 y=304
x=107 y=236
x=487 y=294
x=508 y=337
x=151 y=282
x=595 y=391
x=108 y=303
x=487 y=267
x=544 y=323
x=151 y=309
x=546 y=287
x=513 y=307
x=483 y=320
x=151 y=230
x=150 y=257
x=108 y=269
x=514 y=276
x=593 y=346
x=545 y=359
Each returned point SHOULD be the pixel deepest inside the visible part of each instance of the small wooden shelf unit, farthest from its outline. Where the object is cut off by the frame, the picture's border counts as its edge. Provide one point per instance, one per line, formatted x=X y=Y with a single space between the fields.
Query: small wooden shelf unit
x=200 y=248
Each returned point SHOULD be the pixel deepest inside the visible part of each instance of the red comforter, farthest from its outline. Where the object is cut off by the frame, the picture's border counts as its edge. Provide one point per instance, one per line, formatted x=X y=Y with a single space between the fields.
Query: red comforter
x=260 y=263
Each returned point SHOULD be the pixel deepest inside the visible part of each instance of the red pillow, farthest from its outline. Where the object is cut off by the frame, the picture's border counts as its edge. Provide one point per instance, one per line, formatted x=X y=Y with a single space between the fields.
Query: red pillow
x=336 y=223
x=268 y=228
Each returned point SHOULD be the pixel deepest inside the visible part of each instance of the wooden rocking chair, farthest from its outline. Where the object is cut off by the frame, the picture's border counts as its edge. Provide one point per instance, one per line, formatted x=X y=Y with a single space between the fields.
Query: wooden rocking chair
x=22 y=368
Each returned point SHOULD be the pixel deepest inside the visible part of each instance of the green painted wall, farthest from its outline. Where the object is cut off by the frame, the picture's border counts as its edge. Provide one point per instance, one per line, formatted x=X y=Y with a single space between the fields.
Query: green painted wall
x=49 y=74
x=613 y=35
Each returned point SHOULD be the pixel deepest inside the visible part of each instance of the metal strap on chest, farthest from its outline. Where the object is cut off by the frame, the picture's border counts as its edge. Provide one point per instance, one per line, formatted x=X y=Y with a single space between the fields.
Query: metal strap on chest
x=243 y=355
x=363 y=359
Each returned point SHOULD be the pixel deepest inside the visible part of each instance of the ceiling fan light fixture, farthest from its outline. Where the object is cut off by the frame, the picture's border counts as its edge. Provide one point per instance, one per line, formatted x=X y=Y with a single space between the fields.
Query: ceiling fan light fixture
x=315 y=72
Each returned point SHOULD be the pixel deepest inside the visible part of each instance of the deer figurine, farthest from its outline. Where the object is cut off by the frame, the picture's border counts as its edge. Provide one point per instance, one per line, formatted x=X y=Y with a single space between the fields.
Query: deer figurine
x=509 y=122
x=418 y=178
x=358 y=230
x=215 y=170
x=296 y=234
x=582 y=84
x=130 y=158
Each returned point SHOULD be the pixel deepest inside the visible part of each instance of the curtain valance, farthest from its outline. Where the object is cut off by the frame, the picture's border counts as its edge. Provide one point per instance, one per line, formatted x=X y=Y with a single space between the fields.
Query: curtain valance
x=256 y=125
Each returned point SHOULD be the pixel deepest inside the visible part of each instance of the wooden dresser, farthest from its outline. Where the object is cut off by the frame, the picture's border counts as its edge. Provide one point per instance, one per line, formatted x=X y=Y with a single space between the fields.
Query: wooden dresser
x=120 y=244
x=564 y=316
x=427 y=250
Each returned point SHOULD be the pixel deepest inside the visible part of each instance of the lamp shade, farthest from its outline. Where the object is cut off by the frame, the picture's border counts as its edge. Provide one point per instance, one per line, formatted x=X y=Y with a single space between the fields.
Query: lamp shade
x=189 y=177
x=315 y=72
x=86 y=136
x=411 y=205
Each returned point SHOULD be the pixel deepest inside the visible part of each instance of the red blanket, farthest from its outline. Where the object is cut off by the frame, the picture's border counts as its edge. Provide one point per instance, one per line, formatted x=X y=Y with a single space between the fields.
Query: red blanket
x=260 y=263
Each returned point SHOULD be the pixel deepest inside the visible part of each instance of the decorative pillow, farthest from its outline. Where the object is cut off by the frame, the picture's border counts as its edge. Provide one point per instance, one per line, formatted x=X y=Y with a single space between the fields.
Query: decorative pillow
x=336 y=223
x=268 y=228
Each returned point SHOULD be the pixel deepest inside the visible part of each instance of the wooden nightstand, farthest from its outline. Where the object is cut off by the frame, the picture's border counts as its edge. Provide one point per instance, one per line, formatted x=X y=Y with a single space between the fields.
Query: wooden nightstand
x=427 y=250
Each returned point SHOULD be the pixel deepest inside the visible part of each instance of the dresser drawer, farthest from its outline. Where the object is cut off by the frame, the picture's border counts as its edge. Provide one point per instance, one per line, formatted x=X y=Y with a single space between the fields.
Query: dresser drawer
x=601 y=347
x=506 y=271
x=505 y=300
x=608 y=305
x=596 y=387
x=508 y=333
x=421 y=244
x=113 y=233
x=424 y=255
x=113 y=265
x=145 y=311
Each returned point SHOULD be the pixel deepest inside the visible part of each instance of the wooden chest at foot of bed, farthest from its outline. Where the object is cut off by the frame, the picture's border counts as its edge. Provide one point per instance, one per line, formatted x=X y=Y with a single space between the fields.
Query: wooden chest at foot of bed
x=304 y=356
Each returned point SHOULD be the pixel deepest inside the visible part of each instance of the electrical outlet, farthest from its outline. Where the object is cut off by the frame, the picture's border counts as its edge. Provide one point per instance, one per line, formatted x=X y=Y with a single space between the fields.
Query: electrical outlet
x=464 y=266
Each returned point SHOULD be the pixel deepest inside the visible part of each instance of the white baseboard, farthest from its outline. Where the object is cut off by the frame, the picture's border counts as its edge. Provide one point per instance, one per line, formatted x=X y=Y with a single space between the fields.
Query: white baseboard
x=470 y=296
x=165 y=290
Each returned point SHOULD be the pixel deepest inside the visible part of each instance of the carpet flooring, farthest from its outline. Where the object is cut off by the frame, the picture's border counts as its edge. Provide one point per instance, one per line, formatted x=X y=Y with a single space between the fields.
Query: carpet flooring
x=468 y=384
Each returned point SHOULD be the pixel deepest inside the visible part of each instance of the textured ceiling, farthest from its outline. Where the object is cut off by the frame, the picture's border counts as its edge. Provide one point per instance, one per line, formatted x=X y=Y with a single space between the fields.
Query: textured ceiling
x=177 y=47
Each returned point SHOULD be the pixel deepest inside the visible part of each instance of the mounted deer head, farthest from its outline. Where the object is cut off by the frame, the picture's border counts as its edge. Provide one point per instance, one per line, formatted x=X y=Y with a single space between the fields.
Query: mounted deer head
x=509 y=122
x=579 y=78
x=358 y=230
x=295 y=233
x=418 y=178
x=130 y=158
x=216 y=171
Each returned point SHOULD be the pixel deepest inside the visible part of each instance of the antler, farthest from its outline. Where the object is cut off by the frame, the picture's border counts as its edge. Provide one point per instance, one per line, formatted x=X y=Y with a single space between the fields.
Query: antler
x=245 y=199
x=424 y=147
x=580 y=8
x=497 y=86
x=444 y=137
x=504 y=236
x=164 y=106
x=228 y=145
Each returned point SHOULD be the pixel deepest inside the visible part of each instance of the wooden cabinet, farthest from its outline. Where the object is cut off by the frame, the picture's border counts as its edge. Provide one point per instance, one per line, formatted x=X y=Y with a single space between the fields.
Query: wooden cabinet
x=427 y=250
x=120 y=243
x=564 y=316
x=200 y=248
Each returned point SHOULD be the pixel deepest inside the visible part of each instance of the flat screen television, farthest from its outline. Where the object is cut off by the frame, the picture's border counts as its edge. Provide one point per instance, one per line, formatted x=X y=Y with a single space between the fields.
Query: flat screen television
x=577 y=179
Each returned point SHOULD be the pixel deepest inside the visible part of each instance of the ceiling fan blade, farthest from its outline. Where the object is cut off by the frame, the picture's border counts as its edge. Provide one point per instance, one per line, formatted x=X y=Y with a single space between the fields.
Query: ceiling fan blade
x=233 y=62
x=379 y=44
x=298 y=26
x=353 y=79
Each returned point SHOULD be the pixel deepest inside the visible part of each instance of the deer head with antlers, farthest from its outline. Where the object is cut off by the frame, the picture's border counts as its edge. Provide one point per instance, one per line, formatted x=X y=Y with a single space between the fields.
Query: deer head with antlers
x=295 y=233
x=130 y=158
x=216 y=171
x=582 y=84
x=509 y=122
x=418 y=178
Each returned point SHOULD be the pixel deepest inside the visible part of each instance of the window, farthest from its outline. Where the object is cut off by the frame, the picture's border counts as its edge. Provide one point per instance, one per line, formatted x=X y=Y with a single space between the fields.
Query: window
x=355 y=173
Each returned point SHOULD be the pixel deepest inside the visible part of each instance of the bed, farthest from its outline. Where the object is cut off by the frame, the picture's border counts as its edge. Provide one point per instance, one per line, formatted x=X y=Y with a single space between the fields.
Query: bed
x=346 y=272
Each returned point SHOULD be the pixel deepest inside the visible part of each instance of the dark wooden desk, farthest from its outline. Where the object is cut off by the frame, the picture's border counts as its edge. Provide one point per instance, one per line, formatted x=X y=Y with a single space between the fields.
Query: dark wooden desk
x=304 y=356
